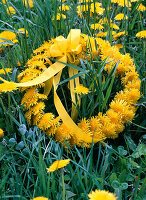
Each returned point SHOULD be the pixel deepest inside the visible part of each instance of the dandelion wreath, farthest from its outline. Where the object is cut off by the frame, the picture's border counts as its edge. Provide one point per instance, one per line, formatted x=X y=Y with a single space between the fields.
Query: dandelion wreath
x=42 y=75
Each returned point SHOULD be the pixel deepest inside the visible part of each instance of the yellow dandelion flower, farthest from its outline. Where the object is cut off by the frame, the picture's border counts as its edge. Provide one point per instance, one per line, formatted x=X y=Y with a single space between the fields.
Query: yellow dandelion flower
x=8 y=86
x=130 y=76
x=119 y=128
x=132 y=96
x=28 y=116
x=57 y=165
x=141 y=7
x=134 y=84
x=83 y=1
x=122 y=3
x=121 y=16
x=109 y=130
x=4 y=1
x=46 y=121
x=81 y=90
x=119 y=46
x=114 y=116
x=37 y=117
x=8 y=35
x=58 y=17
x=1 y=133
x=28 y=3
x=6 y=70
x=11 y=10
x=62 y=133
x=101 y=195
x=114 y=26
x=101 y=34
x=23 y=31
x=52 y=130
x=37 y=108
x=97 y=26
x=40 y=198
x=120 y=34
x=64 y=7
x=18 y=64
x=95 y=126
x=103 y=118
x=98 y=9
x=141 y=34
x=121 y=106
x=28 y=74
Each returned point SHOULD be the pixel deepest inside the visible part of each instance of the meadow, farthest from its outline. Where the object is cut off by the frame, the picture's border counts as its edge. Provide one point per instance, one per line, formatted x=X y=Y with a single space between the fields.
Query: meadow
x=72 y=100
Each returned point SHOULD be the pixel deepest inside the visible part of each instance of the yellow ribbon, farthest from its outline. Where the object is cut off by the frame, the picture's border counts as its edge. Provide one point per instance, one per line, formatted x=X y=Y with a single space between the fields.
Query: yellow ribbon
x=77 y=132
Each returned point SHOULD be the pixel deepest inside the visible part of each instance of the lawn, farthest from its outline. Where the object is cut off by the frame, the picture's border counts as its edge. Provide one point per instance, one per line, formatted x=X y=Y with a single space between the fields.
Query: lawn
x=72 y=100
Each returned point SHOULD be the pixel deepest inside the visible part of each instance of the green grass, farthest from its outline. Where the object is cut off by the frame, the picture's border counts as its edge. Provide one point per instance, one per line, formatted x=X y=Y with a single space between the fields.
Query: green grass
x=25 y=152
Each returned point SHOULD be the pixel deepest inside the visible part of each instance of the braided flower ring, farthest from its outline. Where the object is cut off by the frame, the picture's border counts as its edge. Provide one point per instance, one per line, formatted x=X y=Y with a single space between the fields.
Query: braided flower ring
x=41 y=75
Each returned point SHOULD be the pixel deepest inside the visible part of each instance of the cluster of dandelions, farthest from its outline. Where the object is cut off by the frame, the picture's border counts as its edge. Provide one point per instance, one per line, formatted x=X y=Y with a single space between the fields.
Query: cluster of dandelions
x=96 y=11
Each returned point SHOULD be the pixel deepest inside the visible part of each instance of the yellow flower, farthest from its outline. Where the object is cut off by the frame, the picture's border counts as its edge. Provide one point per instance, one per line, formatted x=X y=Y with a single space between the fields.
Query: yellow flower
x=4 y=1
x=18 y=64
x=37 y=108
x=119 y=35
x=8 y=87
x=64 y=7
x=1 y=133
x=57 y=165
x=7 y=70
x=40 y=198
x=122 y=3
x=98 y=9
x=11 y=10
x=58 y=17
x=97 y=26
x=101 y=195
x=23 y=31
x=121 y=107
x=81 y=90
x=141 y=7
x=101 y=34
x=31 y=97
x=46 y=121
x=134 y=84
x=8 y=35
x=130 y=76
x=28 y=3
x=63 y=133
x=141 y=34
x=114 y=26
x=119 y=46
x=120 y=16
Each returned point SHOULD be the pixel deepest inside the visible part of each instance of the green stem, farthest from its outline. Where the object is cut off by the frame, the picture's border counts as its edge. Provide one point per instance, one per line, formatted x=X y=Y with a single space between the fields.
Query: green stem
x=63 y=185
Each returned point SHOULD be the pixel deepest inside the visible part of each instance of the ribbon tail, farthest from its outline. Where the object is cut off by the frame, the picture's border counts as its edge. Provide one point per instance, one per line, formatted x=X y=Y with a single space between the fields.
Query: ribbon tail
x=46 y=75
x=74 y=83
x=77 y=132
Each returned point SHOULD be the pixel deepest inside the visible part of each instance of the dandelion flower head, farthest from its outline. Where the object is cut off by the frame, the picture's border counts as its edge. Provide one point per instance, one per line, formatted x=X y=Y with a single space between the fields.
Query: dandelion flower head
x=1 y=133
x=40 y=198
x=58 y=164
x=120 y=16
x=141 y=34
x=81 y=90
x=8 y=35
x=11 y=10
x=101 y=195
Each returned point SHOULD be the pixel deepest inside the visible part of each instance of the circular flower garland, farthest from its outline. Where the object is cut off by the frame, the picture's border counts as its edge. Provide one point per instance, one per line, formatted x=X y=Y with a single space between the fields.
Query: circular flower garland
x=43 y=75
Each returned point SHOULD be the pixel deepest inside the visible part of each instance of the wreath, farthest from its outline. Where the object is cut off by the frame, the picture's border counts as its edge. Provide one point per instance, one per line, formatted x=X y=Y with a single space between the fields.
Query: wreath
x=43 y=72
